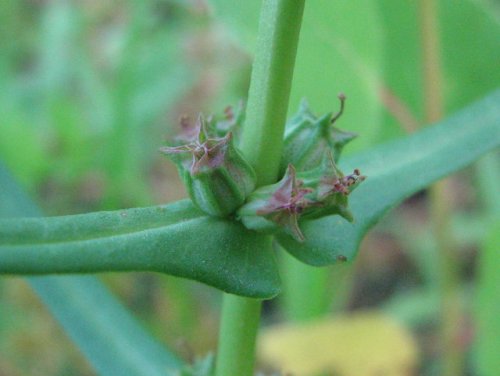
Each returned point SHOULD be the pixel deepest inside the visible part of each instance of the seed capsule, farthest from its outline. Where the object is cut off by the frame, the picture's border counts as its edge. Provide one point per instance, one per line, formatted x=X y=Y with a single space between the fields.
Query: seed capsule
x=308 y=138
x=330 y=190
x=299 y=197
x=230 y=122
x=217 y=177
x=277 y=206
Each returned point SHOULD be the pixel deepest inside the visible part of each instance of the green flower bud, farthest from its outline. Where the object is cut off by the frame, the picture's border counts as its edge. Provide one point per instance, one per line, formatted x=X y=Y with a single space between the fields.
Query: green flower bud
x=308 y=138
x=308 y=195
x=277 y=206
x=330 y=190
x=217 y=176
x=231 y=121
x=215 y=126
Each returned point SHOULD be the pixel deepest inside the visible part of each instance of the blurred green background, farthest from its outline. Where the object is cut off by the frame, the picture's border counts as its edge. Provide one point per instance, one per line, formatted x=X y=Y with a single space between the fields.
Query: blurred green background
x=90 y=89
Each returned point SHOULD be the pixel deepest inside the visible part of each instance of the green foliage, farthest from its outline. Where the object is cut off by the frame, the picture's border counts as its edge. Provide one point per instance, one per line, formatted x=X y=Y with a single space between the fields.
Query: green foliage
x=395 y=171
x=88 y=100
x=104 y=330
x=470 y=68
x=85 y=93
x=162 y=238
x=108 y=335
x=340 y=50
x=176 y=239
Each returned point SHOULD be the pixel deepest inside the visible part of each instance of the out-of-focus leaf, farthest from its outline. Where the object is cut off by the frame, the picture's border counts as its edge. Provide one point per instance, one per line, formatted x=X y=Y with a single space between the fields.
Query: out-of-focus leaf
x=106 y=333
x=395 y=171
x=470 y=75
x=150 y=75
x=488 y=176
x=176 y=239
x=487 y=339
x=365 y=343
x=471 y=69
x=21 y=150
x=340 y=50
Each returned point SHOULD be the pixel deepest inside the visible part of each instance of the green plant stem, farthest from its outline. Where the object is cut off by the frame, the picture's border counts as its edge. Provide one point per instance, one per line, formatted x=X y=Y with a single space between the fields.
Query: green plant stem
x=262 y=144
x=440 y=205
x=262 y=141
x=237 y=336
x=312 y=292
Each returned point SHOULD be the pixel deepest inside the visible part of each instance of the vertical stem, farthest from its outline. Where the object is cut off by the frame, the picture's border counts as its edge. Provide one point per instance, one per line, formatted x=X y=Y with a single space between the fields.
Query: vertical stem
x=306 y=294
x=262 y=141
x=262 y=144
x=237 y=336
x=440 y=206
x=311 y=292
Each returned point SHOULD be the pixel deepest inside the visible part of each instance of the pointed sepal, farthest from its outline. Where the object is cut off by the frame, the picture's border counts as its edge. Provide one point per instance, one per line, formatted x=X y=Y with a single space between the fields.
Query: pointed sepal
x=308 y=138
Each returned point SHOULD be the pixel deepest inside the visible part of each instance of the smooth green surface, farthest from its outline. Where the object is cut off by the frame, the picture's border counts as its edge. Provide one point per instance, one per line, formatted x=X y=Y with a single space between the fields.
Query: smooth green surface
x=262 y=142
x=176 y=239
x=487 y=339
x=237 y=336
x=105 y=332
x=395 y=171
x=272 y=72
x=340 y=50
x=306 y=291
x=90 y=114
x=470 y=68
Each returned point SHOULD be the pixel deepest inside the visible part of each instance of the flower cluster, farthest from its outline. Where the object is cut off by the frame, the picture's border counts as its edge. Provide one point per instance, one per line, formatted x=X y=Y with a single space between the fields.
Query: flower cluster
x=221 y=182
x=300 y=196
x=216 y=175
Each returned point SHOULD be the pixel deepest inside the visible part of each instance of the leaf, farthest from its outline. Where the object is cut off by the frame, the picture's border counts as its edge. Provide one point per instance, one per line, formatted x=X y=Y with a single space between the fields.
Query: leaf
x=106 y=333
x=176 y=239
x=340 y=50
x=337 y=346
x=395 y=171
x=487 y=339
x=470 y=69
x=103 y=329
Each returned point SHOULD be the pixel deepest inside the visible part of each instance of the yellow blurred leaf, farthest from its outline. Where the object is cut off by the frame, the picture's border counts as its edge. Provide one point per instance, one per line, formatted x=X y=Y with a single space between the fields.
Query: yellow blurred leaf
x=359 y=344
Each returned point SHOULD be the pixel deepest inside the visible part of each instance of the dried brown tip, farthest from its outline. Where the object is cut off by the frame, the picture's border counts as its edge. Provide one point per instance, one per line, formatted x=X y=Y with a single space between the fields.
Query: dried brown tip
x=229 y=113
x=342 y=99
x=341 y=258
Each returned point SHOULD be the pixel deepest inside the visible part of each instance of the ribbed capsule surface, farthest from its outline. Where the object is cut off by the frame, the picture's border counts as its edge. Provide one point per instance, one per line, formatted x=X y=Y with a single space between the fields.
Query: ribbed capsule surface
x=308 y=138
x=300 y=197
x=215 y=173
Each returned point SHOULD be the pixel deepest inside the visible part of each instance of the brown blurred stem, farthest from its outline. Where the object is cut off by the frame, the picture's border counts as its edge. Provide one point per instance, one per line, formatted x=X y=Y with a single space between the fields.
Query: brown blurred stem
x=440 y=204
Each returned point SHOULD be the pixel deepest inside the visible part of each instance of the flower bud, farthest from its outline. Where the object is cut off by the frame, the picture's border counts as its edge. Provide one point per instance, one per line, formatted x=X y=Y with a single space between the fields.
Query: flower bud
x=217 y=177
x=308 y=138
x=308 y=195
x=214 y=126
x=277 y=206
x=331 y=190
x=230 y=122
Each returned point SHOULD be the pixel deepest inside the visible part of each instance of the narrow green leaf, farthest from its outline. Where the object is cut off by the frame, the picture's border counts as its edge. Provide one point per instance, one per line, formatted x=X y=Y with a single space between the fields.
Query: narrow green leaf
x=106 y=333
x=176 y=239
x=395 y=171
